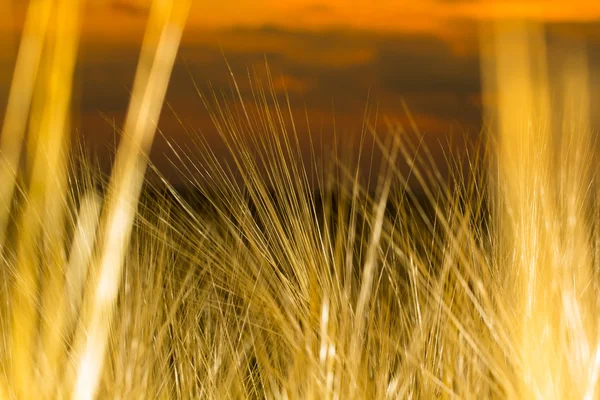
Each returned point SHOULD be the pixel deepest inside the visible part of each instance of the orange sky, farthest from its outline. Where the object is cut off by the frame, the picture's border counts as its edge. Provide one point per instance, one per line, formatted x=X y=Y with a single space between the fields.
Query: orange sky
x=119 y=20
x=122 y=22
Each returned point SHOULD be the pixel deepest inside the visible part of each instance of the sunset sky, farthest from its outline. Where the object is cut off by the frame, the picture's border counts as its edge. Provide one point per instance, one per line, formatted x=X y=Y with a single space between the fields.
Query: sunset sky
x=330 y=54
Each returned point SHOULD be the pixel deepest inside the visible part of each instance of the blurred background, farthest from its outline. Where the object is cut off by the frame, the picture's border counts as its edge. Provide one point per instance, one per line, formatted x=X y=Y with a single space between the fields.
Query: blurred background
x=335 y=58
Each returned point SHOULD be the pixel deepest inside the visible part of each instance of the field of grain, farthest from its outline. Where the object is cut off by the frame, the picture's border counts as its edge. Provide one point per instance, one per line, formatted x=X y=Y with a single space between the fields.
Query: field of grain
x=479 y=283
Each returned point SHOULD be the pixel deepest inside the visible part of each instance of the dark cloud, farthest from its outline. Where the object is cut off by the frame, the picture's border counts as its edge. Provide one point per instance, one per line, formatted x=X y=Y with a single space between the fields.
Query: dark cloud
x=318 y=8
x=127 y=7
x=438 y=85
x=426 y=66
x=399 y=65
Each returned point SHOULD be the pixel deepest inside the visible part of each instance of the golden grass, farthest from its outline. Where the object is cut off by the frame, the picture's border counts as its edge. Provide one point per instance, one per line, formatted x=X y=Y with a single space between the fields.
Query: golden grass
x=487 y=289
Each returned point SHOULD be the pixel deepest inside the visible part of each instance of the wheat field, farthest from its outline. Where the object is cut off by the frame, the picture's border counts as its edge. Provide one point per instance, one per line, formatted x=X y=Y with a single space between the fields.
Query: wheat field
x=276 y=285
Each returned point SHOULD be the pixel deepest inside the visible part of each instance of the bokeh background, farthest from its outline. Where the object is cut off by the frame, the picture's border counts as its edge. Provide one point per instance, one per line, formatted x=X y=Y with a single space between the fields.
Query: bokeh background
x=334 y=57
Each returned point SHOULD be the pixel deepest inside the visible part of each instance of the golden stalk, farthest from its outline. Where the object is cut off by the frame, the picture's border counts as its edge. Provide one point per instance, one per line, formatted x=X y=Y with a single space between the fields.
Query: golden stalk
x=158 y=55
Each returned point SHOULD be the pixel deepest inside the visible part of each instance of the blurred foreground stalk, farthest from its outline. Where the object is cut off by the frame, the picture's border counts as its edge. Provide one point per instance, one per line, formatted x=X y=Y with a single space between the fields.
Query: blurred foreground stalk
x=544 y=195
x=50 y=40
